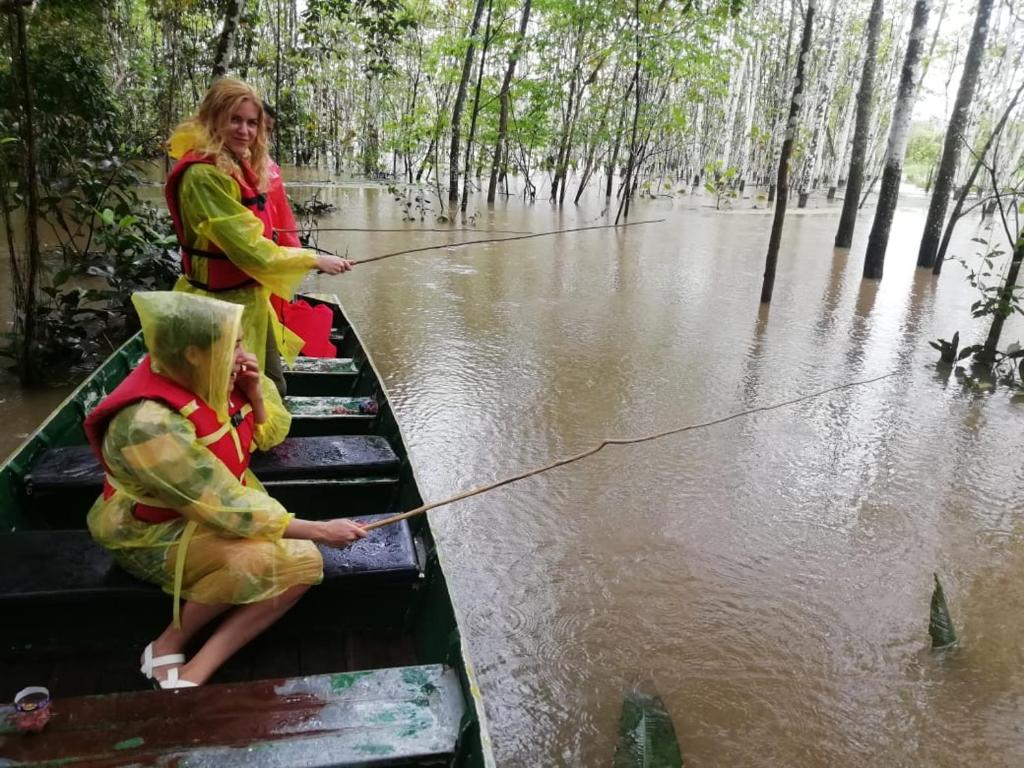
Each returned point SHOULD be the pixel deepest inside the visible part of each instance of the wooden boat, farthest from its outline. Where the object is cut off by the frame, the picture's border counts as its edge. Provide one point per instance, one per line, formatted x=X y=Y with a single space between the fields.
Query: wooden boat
x=368 y=669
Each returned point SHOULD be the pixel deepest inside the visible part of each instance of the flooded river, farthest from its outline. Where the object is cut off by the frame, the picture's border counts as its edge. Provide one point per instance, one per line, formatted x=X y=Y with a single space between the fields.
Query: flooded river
x=770 y=575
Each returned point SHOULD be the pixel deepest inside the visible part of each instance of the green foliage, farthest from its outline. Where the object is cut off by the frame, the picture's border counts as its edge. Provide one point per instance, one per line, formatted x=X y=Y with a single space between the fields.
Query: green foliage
x=924 y=146
x=308 y=214
x=73 y=100
x=377 y=25
x=996 y=300
x=111 y=244
x=721 y=183
x=948 y=350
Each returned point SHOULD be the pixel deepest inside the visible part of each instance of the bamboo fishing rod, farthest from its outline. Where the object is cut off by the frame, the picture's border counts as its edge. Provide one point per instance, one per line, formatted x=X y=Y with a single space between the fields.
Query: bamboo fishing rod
x=613 y=441
x=503 y=239
x=400 y=229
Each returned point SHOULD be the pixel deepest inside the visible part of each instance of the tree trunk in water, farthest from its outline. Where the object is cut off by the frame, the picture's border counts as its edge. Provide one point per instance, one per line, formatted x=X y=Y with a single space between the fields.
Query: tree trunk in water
x=855 y=177
x=988 y=352
x=28 y=138
x=631 y=164
x=371 y=129
x=812 y=158
x=878 y=240
x=787 y=150
x=615 y=152
x=426 y=159
x=503 y=97
x=476 y=110
x=226 y=42
x=965 y=190
x=562 y=161
x=460 y=101
x=954 y=138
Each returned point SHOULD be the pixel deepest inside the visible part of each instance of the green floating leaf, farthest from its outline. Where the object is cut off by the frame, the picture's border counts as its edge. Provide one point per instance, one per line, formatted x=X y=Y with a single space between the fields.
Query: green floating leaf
x=647 y=738
x=940 y=625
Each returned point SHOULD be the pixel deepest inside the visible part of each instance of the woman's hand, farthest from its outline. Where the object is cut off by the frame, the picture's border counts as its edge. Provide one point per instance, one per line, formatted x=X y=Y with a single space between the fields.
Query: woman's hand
x=246 y=378
x=247 y=375
x=339 y=533
x=332 y=265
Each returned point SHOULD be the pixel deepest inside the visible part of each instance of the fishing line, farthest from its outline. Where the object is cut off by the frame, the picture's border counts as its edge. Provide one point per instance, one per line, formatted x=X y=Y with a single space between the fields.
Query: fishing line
x=616 y=441
x=503 y=239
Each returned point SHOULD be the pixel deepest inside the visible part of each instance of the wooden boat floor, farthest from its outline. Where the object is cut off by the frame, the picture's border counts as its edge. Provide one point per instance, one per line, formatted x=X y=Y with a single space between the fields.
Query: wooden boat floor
x=74 y=673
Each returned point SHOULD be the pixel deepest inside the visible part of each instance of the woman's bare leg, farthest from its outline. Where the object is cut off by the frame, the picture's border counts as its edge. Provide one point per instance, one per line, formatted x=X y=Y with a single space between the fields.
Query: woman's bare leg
x=240 y=626
x=194 y=616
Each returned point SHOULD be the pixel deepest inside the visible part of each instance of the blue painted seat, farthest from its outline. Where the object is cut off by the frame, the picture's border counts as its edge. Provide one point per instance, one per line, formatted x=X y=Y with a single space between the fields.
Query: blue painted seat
x=67 y=566
x=64 y=482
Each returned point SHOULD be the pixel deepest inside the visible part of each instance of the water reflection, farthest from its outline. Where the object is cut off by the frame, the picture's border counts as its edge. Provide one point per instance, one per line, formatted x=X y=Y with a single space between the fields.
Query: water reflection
x=771 y=574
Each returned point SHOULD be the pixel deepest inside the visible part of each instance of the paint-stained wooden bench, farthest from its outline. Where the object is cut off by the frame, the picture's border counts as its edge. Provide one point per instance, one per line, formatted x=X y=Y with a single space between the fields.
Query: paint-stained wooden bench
x=387 y=717
x=323 y=375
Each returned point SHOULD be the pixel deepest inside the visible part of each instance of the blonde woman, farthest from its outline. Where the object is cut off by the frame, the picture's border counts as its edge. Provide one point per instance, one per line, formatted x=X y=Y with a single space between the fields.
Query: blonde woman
x=217 y=194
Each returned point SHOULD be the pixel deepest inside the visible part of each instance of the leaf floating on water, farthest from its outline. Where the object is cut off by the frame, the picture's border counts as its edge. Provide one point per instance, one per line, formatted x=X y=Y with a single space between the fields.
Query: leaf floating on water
x=647 y=738
x=940 y=624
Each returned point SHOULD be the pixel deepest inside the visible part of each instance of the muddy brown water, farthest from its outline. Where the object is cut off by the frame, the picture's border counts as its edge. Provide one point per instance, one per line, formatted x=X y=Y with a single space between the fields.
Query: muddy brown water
x=770 y=575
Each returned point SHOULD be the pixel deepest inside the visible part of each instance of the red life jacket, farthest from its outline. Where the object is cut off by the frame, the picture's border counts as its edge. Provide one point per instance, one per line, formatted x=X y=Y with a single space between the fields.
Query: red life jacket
x=221 y=273
x=285 y=231
x=230 y=442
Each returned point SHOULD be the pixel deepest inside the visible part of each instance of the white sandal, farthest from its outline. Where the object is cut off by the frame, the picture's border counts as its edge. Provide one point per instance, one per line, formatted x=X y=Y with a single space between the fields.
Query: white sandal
x=149 y=663
x=173 y=681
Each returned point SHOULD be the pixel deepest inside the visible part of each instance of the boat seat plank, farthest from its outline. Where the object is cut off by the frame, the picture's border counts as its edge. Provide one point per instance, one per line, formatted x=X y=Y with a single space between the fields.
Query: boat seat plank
x=297 y=458
x=398 y=716
x=327 y=415
x=63 y=566
x=332 y=407
x=311 y=376
x=324 y=366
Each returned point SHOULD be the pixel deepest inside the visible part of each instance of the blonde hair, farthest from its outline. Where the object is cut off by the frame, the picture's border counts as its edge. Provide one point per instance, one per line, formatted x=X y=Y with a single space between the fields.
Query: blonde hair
x=213 y=120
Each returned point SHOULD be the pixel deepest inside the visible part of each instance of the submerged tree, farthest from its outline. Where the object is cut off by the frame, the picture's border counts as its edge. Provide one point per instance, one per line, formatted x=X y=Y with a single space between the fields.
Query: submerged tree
x=954 y=137
x=500 y=144
x=460 y=100
x=878 y=240
x=865 y=95
x=792 y=124
x=965 y=190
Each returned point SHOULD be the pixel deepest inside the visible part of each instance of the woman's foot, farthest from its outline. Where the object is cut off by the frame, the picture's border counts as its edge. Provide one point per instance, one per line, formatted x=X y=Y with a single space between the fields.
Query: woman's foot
x=155 y=663
x=173 y=682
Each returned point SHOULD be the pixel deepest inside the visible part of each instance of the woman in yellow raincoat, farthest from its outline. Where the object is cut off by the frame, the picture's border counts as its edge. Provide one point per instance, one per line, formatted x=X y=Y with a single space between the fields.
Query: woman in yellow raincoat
x=217 y=196
x=180 y=507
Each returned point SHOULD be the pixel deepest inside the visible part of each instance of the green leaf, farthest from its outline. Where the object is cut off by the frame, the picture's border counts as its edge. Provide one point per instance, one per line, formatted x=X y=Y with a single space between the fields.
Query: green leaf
x=940 y=625
x=647 y=738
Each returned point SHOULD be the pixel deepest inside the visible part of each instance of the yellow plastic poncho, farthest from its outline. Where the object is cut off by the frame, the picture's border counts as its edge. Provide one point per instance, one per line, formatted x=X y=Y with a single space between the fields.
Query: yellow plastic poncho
x=212 y=212
x=230 y=534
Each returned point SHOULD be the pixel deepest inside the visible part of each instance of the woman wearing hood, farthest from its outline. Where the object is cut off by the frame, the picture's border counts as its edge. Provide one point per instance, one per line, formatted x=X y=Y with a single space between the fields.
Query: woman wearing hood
x=180 y=507
x=217 y=194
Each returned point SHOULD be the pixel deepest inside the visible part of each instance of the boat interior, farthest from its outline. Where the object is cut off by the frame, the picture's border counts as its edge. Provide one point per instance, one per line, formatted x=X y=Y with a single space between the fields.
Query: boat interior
x=366 y=669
